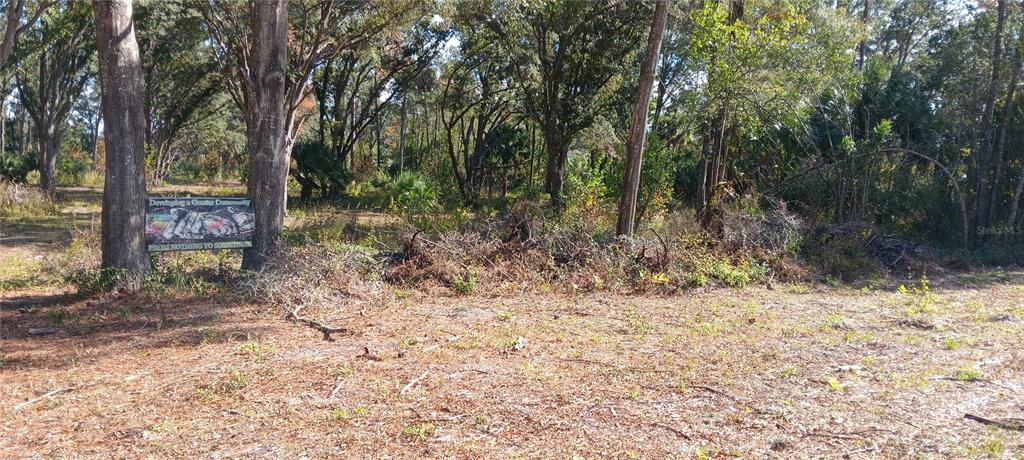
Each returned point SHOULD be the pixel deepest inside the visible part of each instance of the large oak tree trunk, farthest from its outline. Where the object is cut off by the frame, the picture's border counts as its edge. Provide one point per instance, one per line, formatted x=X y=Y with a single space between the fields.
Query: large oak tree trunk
x=638 y=123
x=267 y=132
x=124 y=191
x=48 y=149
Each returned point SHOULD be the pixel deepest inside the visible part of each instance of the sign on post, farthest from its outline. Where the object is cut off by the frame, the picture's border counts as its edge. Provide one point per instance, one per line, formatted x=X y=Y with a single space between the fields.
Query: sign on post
x=196 y=223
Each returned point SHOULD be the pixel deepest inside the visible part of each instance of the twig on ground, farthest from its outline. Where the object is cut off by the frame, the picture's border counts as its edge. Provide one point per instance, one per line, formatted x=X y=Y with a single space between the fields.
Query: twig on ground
x=42 y=397
x=873 y=448
x=674 y=430
x=337 y=388
x=715 y=391
x=366 y=354
x=323 y=328
x=615 y=366
x=412 y=383
x=1014 y=424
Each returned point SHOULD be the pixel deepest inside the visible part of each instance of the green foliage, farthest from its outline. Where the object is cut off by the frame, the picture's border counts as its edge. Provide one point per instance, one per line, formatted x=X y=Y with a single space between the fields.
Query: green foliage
x=413 y=194
x=465 y=284
x=95 y=280
x=72 y=165
x=15 y=169
x=317 y=169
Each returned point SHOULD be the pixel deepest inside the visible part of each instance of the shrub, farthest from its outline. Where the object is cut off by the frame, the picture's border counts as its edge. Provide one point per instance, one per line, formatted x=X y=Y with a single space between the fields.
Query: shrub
x=18 y=201
x=465 y=284
x=412 y=194
x=15 y=169
x=72 y=165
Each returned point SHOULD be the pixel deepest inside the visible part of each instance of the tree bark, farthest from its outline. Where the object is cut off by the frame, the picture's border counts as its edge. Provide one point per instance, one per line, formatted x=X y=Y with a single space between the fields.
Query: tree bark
x=984 y=152
x=1009 y=108
x=49 y=141
x=638 y=123
x=401 y=137
x=267 y=132
x=124 y=191
x=1011 y=220
x=3 y=126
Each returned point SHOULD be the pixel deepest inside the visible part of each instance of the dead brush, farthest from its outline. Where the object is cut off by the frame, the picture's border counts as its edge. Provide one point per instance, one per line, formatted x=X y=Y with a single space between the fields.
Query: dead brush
x=316 y=281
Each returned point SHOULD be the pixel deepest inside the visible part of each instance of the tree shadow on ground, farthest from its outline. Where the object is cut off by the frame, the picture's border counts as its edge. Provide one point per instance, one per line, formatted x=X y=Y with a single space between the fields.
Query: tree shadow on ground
x=53 y=331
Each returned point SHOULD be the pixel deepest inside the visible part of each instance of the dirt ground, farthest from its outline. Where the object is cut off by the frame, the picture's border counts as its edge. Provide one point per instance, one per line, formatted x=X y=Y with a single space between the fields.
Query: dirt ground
x=798 y=371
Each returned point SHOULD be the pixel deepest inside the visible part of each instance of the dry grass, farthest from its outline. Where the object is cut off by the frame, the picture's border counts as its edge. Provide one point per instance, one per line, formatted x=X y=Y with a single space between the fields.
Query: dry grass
x=750 y=372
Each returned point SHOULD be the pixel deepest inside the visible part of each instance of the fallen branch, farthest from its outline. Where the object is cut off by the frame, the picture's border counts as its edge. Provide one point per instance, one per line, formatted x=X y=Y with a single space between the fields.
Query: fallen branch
x=1014 y=424
x=715 y=391
x=370 y=356
x=323 y=328
x=664 y=259
x=40 y=398
x=412 y=383
x=674 y=430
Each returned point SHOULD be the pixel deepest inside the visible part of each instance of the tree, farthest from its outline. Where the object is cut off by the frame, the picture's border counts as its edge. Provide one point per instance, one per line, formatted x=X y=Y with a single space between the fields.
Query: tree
x=15 y=28
x=355 y=88
x=181 y=81
x=271 y=121
x=124 y=191
x=272 y=87
x=638 y=123
x=984 y=149
x=49 y=93
x=579 y=46
x=477 y=99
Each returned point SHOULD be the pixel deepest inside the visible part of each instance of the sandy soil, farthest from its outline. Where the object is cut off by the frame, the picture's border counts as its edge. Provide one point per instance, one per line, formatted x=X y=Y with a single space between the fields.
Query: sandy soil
x=791 y=372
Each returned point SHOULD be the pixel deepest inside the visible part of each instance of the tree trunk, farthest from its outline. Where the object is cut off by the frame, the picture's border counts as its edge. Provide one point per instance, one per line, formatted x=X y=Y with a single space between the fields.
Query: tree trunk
x=985 y=145
x=558 y=153
x=638 y=123
x=48 y=149
x=862 y=47
x=1011 y=220
x=1009 y=108
x=96 y=140
x=401 y=138
x=22 y=130
x=3 y=126
x=267 y=132
x=124 y=191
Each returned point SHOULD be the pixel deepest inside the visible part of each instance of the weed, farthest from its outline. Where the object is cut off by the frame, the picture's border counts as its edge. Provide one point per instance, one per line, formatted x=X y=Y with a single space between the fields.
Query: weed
x=697 y=279
x=919 y=299
x=420 y=431
x=465 y=284
x=59 y=316
x=163 y=426
x=951 y=343
x=836 y=385
x=339 y=414
x=969 y=373
x=787 y=373
x=506 y=315
x=637 y=324
x=834 y=321
x=230 y=384
x=257 y=350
